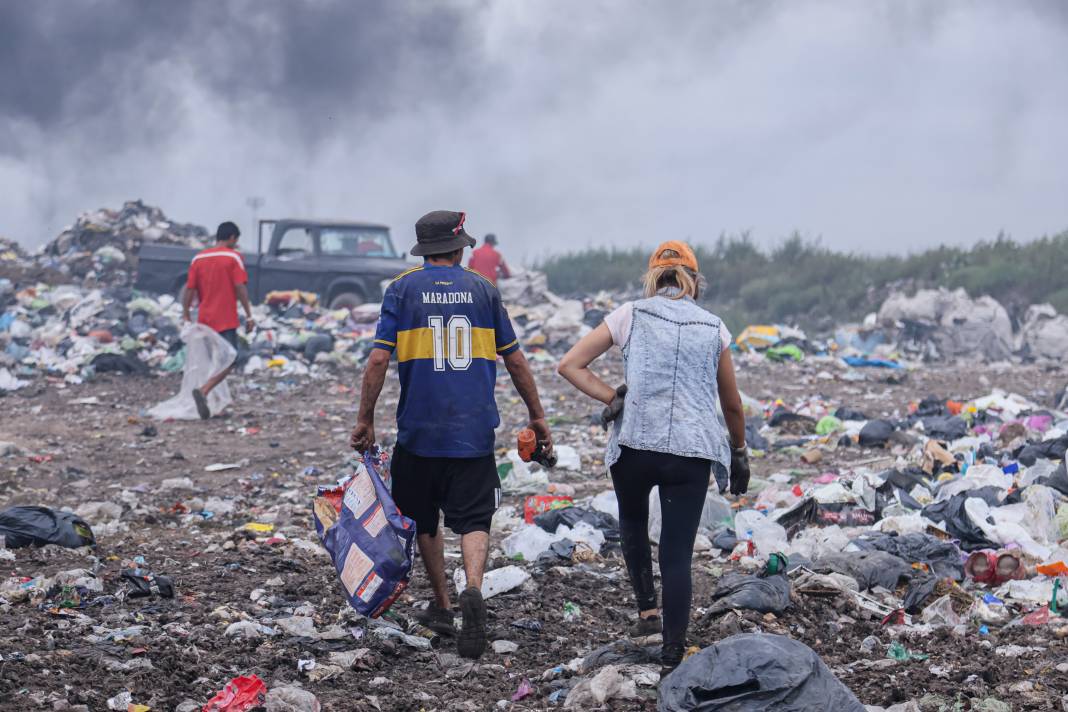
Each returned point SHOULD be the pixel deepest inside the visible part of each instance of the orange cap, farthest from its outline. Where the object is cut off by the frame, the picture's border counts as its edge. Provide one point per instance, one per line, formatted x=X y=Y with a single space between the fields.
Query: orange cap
x=686 y=256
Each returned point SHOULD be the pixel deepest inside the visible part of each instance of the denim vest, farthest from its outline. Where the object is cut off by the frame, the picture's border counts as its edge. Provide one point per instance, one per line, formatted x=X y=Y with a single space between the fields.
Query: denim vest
x=671 y=367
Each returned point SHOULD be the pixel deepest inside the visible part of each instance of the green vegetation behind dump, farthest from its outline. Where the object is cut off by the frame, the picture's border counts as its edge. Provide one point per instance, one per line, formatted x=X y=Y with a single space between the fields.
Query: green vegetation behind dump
x=800 y=282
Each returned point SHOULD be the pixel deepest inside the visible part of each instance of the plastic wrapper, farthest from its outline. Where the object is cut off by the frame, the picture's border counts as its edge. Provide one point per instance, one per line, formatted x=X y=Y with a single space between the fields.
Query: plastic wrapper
x=368 y=539
x=941 y=613
x=206 y=354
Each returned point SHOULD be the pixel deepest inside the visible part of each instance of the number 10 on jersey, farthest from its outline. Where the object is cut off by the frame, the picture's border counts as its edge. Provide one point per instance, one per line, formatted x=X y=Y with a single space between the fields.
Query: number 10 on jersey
x=452 y=342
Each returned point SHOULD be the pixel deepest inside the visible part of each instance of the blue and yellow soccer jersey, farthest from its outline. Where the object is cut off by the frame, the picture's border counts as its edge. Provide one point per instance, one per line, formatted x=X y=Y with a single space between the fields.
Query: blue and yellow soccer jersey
x=447 y=326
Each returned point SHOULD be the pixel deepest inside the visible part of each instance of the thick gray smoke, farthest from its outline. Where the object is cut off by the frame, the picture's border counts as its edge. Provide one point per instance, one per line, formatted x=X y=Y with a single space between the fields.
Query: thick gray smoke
x=879 y=126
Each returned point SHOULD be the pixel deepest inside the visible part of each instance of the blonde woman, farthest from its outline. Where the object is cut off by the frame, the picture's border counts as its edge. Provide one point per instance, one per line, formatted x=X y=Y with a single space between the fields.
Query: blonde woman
x=666 y=431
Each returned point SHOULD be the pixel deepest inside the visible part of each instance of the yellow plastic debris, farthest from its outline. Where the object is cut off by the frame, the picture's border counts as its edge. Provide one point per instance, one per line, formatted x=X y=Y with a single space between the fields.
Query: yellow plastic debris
x=258 y=527
x=757 y=337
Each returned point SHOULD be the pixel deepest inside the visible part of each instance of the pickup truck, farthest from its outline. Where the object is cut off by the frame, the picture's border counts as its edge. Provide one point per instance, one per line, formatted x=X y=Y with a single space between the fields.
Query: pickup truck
x=345 y=263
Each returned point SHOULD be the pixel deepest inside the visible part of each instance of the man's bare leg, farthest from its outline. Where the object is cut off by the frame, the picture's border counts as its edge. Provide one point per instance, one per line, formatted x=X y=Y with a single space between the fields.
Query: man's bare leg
x=475 y=548
x=216 y=380
x=472 y=640
x=432 y=549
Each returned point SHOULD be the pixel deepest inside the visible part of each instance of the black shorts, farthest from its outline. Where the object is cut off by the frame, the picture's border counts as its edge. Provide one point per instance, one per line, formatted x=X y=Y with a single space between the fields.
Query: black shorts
x=231 y=337
x=467 y=489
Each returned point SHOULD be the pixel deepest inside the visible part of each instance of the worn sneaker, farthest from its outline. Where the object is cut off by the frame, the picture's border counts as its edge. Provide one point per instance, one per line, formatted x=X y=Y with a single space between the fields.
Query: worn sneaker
x=646 y=627
x=670 y=658
x=436 y=619
x=202 y=404
x=472 y=640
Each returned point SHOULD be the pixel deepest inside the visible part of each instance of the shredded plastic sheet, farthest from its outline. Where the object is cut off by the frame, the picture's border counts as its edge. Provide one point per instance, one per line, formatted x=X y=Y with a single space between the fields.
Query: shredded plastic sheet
x=368 y=539
x=206 y=354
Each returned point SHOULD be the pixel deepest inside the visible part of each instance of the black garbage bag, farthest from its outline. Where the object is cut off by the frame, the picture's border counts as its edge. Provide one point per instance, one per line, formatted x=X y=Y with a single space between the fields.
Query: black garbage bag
x=945 y=427
x=954 y=519
x=799 y=516
x=138 y=324
x=847 y=413
x=317 y=344
x=593 y=317
x=725 y=539
x=38 y=526
x=931 y=405
x=753 y=438
x=875 y=432
x=920 y=589
x=559 y=550
x=142 y=584
x=1048 y=449
x=798 y=423
x=906 y=479
x=739 y=591
x=869 y=568
x=942 y=557
x=126 y=364
x=755 y=672
x=571 y=516
x=620 y=652
x=1058 y=480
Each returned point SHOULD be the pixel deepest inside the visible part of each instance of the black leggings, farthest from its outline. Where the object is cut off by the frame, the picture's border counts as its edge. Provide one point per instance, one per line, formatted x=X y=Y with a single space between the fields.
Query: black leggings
x=683 y=483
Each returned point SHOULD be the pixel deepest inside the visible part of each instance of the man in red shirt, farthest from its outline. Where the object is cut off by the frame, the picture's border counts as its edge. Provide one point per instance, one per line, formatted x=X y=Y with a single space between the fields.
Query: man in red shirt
x=217 y=276
x=488 y=262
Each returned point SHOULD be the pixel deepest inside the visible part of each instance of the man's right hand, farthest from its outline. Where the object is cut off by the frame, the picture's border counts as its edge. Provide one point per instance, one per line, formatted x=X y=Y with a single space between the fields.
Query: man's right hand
x=363 y=437
x=544 y=437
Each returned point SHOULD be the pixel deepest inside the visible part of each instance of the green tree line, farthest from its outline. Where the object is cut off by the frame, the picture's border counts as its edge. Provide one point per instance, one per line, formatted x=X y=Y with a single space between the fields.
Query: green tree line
x=801 y=282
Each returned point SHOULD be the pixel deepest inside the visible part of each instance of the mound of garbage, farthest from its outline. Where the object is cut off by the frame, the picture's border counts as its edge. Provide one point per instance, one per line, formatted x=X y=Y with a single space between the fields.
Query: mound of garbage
x=72 y=333
x=931 y=326
x=101 y=247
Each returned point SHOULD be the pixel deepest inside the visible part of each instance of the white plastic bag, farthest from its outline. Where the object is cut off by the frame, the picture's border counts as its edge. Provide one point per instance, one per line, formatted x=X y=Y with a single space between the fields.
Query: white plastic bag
x=206 y=354
x=716 y=513
x=496 y=581
x=524 y=477
x=766 y=535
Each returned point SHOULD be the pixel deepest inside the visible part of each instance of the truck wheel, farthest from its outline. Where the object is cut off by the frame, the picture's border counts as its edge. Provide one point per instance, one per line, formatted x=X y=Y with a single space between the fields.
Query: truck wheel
x=346 y=300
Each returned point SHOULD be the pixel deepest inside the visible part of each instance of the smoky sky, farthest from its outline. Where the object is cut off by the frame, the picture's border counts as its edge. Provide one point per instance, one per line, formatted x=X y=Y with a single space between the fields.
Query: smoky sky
x=883 y=126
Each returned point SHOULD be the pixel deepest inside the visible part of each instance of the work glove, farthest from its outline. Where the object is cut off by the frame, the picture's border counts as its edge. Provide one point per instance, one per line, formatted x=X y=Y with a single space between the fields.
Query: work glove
x=739 y=470
x=614 y=409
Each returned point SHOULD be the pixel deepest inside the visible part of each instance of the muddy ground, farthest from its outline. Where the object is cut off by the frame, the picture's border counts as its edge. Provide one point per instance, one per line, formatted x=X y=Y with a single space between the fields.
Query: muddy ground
x=90 y=443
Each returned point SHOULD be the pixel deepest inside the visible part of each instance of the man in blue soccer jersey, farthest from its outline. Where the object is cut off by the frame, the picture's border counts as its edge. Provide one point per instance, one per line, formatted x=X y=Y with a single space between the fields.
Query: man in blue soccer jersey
x=447 y=326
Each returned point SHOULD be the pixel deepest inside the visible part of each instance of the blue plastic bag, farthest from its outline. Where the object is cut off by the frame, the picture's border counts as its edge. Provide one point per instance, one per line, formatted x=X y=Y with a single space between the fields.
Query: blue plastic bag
x=368 y=539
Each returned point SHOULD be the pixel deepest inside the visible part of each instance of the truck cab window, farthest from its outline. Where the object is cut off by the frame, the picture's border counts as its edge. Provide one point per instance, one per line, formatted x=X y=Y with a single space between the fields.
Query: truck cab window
x=352 y=242
x=296 y=243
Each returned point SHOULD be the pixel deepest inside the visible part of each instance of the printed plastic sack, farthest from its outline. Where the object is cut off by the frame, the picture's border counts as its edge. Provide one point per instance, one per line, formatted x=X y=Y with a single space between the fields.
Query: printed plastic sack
x=206 y=354
x=369 y=540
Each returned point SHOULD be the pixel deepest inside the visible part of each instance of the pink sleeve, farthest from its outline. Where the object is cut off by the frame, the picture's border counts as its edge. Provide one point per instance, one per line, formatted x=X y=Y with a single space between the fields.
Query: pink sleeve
x=619 y=322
